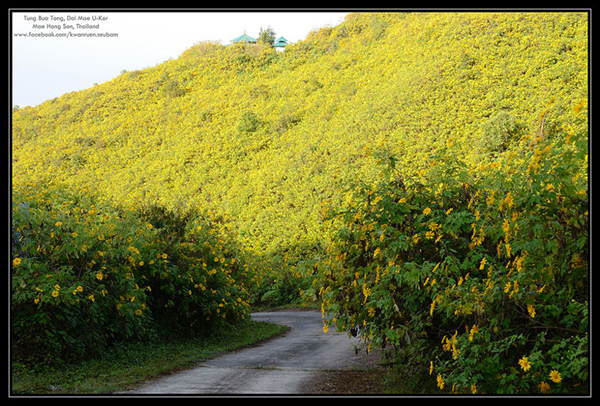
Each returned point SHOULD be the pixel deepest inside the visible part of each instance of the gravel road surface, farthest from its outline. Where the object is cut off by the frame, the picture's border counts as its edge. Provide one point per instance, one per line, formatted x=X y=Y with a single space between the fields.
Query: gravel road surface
x=305 y=360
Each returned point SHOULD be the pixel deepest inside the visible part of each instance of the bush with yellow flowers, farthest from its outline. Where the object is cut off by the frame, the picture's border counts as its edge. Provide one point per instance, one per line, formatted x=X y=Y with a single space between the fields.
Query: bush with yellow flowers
x=483 y=268
x=85 y=275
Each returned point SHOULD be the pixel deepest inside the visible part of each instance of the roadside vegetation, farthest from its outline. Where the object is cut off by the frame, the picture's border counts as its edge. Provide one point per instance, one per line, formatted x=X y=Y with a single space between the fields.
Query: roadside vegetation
x=421 y=177
x=125 y=365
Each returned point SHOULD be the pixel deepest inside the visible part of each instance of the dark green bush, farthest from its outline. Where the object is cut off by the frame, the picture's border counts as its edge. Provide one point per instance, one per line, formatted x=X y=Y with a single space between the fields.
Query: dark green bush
x=249 y=122
x=483 y=268
x=85 y=275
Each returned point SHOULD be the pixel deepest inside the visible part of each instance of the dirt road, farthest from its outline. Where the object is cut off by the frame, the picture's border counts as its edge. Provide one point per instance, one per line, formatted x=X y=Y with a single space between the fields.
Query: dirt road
x=303 y=361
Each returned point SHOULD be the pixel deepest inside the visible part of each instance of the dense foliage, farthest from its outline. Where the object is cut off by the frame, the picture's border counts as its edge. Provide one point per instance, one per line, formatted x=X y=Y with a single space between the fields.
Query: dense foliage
x=463 y=243
x=86 y=275
x=484 y=268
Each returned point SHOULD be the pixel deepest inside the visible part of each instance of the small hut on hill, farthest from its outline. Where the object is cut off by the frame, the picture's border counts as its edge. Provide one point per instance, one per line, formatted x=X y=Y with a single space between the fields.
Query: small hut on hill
x=280 y=44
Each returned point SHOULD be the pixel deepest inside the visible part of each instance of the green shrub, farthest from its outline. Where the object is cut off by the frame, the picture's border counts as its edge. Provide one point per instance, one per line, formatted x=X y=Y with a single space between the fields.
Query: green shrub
x=248 y=123
x=173 y=88
x=499 y=132
x=484 y=267
x=85 y=275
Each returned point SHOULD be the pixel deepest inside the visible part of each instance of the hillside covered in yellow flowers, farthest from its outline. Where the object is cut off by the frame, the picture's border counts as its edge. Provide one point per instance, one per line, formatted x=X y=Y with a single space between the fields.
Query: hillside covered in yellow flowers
x=260 y=139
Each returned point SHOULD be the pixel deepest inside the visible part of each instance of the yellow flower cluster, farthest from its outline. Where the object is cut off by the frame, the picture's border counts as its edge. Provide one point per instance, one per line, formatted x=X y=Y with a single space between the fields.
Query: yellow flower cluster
x=450 y=345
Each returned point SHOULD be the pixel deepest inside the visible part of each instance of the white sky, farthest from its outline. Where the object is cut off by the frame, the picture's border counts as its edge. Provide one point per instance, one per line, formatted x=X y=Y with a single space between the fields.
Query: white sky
x=48 y=67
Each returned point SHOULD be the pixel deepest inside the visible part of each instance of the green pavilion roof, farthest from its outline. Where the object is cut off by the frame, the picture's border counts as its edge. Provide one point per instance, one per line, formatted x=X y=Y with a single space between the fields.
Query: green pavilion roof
x=244 y=38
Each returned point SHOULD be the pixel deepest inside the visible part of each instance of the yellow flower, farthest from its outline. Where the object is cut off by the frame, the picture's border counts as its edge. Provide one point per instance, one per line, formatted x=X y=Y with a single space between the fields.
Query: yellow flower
x=505 y=227
x=138 y=312
x=80 y=288
x=515 y=289
x=55 y=293
x=366 y=292
x=473 y=389
x=482 y=265
x=325 y=327
x=474 y=330
x=440 y=381
x=57 y=287
x=430 y=367
x=531 y=310
x=427 y=211
x=99 y=275
x=555 y=376
x=509 y=200
x=544 y=387
x=16 y=261
x=58 y=224
x=525 y=364
x=455 y=351
x=91 y=297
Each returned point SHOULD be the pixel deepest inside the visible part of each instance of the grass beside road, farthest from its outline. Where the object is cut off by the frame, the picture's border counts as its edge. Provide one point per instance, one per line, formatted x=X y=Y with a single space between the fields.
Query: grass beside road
x=126 y=365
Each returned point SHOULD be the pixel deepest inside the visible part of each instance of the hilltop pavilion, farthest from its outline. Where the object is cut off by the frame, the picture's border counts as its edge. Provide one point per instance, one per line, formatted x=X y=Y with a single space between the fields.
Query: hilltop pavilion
x=244 y=39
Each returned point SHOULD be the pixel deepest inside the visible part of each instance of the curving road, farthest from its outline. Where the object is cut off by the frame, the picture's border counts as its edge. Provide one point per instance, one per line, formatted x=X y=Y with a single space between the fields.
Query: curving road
x=296 y=363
